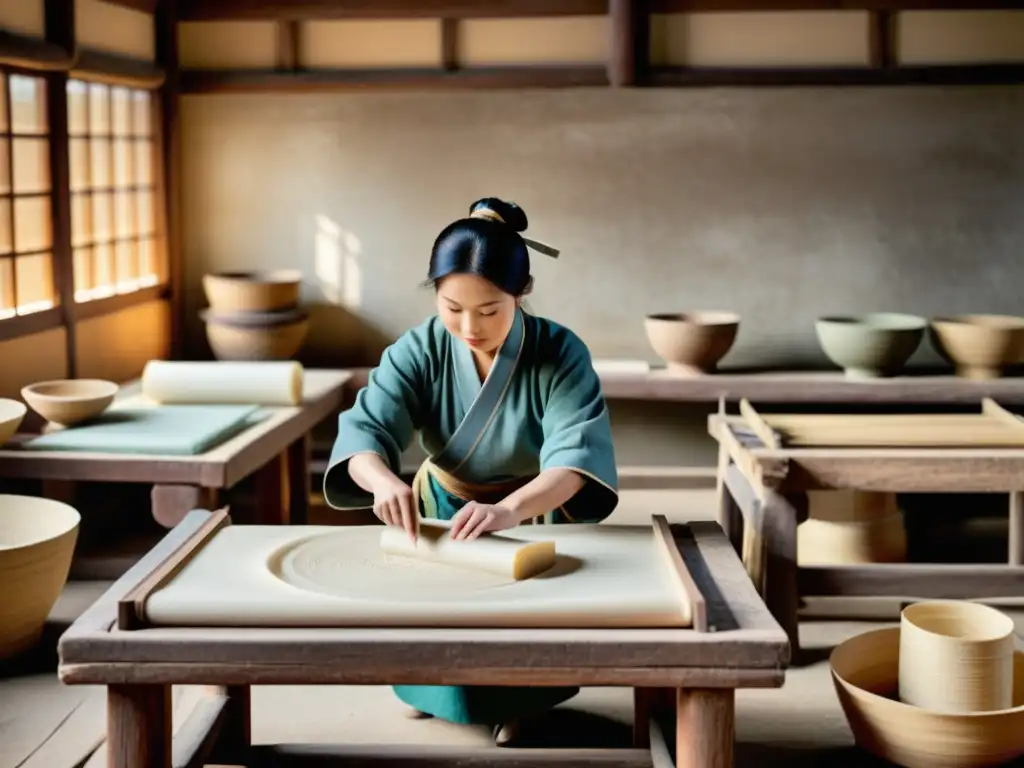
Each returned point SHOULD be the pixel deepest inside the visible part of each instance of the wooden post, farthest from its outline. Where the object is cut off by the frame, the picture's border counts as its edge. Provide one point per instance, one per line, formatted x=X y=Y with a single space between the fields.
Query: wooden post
x=705 y=728
x=139 y=726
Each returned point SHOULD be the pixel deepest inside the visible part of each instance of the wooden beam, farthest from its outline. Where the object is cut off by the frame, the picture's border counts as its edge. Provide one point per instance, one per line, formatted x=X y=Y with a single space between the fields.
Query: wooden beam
x=145 y=6
x=626 y=18
x=980 y=74
x=882 y=42
x=289 y=45
x=168 y=168
x=59 y=20
x=112 y=69
x=450 y=44
x=712 y=6
x=207 y=10
x=227 y=81
x=26 y=325
x=33 y=54
x=204 y=10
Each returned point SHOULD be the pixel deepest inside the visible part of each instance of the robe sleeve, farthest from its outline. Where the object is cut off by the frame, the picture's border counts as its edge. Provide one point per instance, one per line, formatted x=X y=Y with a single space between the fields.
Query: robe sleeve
x=577 y=435
x=383 y=420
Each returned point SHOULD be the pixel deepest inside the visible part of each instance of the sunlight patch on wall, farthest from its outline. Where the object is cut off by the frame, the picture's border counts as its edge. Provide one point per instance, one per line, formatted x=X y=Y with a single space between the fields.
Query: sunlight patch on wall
x=336 y=263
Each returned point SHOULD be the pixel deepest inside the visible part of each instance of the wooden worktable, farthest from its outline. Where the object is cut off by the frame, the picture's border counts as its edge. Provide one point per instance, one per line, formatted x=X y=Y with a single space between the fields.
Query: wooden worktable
x=681 y=673
x=277 y=447
x=764 y=490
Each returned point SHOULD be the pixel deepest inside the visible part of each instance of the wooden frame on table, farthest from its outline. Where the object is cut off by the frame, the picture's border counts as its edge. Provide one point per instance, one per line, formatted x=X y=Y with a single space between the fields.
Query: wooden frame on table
x=763 y=487
x=683 y=680
x=276 y=449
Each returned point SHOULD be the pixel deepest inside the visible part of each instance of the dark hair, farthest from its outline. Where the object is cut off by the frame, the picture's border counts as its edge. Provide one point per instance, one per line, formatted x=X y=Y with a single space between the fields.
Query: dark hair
x=485 y=247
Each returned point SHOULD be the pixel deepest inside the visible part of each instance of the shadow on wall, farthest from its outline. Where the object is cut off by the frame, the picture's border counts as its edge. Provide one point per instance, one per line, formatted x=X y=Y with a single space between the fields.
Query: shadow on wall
x=339 y=337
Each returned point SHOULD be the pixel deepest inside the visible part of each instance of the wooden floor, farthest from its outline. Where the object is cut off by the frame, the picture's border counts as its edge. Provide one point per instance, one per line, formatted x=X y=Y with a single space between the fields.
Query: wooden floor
x=44 y=724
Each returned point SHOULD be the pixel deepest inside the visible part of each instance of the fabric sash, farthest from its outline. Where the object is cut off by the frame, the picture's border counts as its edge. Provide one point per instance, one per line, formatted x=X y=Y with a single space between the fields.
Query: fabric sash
x=485 y=493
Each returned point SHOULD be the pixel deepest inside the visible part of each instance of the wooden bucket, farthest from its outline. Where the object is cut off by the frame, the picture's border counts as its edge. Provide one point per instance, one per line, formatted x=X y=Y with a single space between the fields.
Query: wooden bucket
x=37 y=541
x=956 y=657
x=865 y=674
x=851 y=527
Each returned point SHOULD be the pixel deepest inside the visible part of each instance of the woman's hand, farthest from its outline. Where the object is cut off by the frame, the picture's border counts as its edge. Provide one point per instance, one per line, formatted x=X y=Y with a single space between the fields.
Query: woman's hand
x=474 y=519
x=394 y=504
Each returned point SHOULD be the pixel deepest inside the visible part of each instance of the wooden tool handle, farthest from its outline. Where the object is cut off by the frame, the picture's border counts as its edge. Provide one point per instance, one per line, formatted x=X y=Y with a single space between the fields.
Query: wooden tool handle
x=131 y=609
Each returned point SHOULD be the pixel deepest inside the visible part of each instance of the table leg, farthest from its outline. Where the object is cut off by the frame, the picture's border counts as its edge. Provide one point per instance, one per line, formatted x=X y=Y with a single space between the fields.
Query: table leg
x=299 y=457
x=272 y=492
x=705 y=728
x=648 y=704
x=171 y=503
x=139 y=726
x=781 y=591
x=1016 y=528
x=235 y=735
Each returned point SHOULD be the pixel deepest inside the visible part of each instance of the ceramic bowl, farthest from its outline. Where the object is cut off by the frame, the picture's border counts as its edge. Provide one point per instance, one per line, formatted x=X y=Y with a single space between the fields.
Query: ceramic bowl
x=37 y=540
x=241 y=337
x=12 y=412
x=692 y=343
x=70 y=401
x=871 y=345
x=865 y=672
x=228 y=292
x=980 y=346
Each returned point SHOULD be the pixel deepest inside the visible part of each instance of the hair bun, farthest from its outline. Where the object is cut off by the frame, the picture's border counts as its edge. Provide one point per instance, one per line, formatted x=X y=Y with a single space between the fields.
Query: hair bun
x=513 y=215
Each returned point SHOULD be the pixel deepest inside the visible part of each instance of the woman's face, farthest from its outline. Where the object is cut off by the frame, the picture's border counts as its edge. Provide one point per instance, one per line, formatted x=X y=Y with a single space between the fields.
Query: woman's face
x=475 y=311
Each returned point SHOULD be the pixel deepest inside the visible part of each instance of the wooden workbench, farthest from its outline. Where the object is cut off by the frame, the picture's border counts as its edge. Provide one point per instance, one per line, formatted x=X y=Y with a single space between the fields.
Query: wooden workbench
x=277 y=447
x=763 y=498
x=681 y=677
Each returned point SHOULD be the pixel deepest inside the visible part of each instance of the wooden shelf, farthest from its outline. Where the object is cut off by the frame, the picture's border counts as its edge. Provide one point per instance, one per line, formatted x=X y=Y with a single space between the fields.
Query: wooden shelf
x=809 y=388
x=800 y=387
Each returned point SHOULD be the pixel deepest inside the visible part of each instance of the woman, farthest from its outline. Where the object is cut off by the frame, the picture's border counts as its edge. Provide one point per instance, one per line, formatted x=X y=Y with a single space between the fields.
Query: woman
x=510 y=412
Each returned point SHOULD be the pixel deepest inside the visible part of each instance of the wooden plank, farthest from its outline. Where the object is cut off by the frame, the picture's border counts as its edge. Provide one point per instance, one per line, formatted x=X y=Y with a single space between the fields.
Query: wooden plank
x=429 y=756
x=131 y=609
x=689 y=592
x=329 y=80
x=906 y=470
x=955 y=582
x=380 y=672
x=995 y=411
x=677 y=6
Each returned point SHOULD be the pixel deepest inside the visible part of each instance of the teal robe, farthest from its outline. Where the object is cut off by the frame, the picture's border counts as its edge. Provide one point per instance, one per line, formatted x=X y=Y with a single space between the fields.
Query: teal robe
x=540 y=407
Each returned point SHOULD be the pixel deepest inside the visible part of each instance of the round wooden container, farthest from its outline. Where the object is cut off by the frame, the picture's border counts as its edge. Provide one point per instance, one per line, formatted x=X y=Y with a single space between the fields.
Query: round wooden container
x=37 y=540
x=865 y=672
x=256 y=335
x=70 y=401
x=956 y=657
x=12 y=413
x=229 y=292
x=851 y=527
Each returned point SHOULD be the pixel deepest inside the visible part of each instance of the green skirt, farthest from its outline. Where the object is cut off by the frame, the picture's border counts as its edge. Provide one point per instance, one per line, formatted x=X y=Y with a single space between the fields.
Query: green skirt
x=477 y=704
